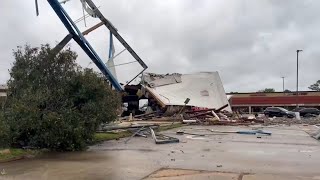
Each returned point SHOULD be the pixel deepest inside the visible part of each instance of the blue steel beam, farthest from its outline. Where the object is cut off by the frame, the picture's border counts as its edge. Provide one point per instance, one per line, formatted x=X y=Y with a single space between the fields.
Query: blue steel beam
x=110 y=46
x=83 y=43
x=114 y=31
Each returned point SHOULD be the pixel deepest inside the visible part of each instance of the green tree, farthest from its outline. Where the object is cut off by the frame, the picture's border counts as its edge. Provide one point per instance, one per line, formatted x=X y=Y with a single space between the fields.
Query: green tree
x=54 y=103
x=287 y=91
x=315 y=86
x=267 y=90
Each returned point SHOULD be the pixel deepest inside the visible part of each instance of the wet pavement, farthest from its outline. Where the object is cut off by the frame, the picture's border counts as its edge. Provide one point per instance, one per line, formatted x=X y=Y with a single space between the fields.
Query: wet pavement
x=289 y=153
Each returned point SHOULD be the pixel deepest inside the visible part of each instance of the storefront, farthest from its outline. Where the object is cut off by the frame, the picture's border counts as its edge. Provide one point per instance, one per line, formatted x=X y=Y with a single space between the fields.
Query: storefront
x=258 y=101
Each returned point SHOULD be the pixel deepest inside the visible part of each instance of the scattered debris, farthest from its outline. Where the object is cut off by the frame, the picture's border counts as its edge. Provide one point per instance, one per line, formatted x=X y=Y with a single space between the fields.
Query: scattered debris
x=252 y=132
x=167 y=106
x=219 y=165
x=137 y=132
x=162 y=139
x=118 y=127
x=141 y=134
x=3 y=172
x=189 y=121
x=182 y=133
x=317 y=135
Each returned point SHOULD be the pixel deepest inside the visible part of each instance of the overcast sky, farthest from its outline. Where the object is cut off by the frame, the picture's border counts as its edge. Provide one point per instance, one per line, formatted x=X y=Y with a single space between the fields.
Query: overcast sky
x=252 y=44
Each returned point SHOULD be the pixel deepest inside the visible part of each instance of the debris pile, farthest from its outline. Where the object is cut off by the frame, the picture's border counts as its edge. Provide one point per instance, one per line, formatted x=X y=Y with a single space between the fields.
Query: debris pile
x=197 y=98
x=192 y=99
x=195 y=115
x=218 y=117
x=148 y=124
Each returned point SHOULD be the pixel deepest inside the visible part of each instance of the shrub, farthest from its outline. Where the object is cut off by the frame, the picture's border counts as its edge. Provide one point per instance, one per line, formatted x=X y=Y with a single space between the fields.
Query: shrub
x=53 y=103
x=4 y=132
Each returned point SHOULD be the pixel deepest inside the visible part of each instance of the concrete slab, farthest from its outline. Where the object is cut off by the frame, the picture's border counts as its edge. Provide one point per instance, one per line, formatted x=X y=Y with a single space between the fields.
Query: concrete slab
x=288 y=152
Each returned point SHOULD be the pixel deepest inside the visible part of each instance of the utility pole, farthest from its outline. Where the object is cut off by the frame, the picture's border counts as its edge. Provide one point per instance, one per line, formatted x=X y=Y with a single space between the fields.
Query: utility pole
x=297 y=91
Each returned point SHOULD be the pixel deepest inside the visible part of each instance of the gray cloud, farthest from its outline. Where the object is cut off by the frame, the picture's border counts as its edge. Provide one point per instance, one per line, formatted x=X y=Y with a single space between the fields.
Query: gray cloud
x=251 y=43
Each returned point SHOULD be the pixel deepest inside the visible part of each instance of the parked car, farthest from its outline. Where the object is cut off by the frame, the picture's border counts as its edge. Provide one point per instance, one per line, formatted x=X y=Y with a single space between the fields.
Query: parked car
x=308 y=112
x=297 y=109
x=278 y=112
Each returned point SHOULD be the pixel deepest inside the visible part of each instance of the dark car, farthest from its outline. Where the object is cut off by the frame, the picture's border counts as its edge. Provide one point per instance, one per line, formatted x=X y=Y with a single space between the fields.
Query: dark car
x=297 y=109
x=278 y=112
x=309 y=112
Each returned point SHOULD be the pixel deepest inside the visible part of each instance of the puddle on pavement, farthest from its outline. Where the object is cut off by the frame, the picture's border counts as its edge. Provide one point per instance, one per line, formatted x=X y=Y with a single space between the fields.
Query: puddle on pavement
x=67 y=161
x=74 y=156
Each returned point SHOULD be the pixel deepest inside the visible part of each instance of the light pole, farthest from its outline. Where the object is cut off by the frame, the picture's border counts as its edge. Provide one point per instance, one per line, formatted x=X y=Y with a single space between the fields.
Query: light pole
x=297 y=92
x=283 y=83
x=283 y=88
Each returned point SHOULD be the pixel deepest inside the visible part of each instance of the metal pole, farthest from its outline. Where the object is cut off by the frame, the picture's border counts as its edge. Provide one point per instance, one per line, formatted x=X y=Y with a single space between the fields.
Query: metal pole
x=37 y=7
x=283 y=89
x=283 y=84
x=297 y=91
x=297 y=96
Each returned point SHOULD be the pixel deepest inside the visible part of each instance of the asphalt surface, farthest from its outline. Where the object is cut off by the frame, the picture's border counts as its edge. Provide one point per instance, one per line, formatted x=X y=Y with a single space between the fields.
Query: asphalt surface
x=289 y=153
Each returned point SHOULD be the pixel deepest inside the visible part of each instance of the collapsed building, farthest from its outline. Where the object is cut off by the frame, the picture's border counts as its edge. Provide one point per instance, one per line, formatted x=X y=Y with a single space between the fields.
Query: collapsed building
x=164 y=92
x=167 y=93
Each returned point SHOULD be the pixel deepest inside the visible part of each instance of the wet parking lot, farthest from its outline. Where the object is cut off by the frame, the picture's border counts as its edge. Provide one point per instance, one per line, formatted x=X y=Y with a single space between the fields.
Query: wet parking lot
x=289 y=153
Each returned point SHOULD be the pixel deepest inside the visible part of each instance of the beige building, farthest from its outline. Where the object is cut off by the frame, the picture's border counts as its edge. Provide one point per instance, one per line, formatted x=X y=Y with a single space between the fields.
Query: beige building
x=3 y=93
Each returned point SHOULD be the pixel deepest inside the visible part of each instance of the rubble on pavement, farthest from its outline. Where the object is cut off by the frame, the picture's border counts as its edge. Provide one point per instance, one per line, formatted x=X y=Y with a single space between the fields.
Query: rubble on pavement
x=144 y=125
x=203 y=116
x=190 y=99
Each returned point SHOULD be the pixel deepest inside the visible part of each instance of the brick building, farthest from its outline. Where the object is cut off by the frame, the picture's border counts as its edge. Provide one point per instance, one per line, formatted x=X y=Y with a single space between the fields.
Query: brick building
x=258 y=101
